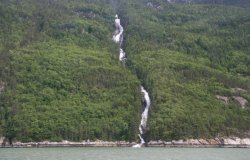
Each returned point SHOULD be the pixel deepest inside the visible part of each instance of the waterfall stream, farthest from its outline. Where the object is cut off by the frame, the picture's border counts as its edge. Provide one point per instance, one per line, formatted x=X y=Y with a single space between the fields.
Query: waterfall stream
x=118 y=38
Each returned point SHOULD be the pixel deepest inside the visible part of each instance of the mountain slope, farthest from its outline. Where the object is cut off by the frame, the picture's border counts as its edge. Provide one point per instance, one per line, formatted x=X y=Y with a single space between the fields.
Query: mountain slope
x=186 y=56
x=63 y=79
x=60 y=77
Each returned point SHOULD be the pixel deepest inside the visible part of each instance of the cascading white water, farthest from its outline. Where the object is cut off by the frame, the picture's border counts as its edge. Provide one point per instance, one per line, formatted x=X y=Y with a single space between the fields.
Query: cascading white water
x=122 y=55
x=118 y=38
x=144 y=116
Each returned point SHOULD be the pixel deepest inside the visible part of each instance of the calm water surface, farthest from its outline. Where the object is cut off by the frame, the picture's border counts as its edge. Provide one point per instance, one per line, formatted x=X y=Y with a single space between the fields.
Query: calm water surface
x=124 y=154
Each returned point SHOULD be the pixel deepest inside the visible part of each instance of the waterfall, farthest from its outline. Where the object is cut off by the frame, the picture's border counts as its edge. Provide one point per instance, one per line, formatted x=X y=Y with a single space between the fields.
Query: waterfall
x=144 y=116
x=118 y=38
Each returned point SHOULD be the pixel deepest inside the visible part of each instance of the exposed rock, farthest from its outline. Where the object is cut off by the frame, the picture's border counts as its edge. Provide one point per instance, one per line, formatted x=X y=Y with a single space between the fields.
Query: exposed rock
x=223 y=142
x=2 y=140
x=179 y=142
x=231 y=141
x=239 y=90
x=245 y=141
x=193 y=142
x=218 y=140
x=214 y=141
x=156 y=143
x=223 y=99
x=241 y=101
x=65 y=143
x=203 y=142
x=167 y=143
x=124 y=144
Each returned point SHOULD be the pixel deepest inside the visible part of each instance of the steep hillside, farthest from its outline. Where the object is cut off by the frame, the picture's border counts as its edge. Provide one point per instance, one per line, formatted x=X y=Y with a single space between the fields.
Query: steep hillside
x=60 y=77
x=187 y=55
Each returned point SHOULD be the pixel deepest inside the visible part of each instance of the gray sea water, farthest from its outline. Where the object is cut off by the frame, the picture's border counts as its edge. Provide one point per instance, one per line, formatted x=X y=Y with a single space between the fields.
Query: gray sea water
x=124 y=154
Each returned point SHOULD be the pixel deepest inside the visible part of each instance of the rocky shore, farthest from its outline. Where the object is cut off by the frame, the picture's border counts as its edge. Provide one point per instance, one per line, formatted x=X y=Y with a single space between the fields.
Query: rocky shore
x=231 y=142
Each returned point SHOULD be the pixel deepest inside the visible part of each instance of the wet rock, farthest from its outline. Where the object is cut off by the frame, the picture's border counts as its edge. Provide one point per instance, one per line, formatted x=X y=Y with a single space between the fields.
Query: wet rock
x=224 y=99
x=241 y=101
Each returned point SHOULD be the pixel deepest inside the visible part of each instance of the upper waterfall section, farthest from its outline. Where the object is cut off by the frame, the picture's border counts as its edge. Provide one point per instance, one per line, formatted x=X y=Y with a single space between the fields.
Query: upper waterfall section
x=118 y=35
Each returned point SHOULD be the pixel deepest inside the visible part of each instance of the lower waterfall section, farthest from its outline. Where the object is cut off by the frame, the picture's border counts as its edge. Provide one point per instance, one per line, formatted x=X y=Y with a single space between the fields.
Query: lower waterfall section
x=144 y=118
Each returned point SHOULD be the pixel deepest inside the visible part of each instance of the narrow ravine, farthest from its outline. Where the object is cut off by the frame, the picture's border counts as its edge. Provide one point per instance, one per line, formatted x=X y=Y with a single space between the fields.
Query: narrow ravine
x=118 y=38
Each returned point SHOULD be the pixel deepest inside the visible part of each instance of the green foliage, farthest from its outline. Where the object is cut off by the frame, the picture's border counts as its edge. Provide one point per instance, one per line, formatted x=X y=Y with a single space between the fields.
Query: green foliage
x=62 y=78
x=64 y=81
x=185 y=55
x=68 y=92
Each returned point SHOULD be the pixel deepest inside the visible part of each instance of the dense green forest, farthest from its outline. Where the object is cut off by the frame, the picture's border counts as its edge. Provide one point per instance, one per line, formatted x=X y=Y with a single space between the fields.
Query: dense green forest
x=60 y=77
x=186 y=55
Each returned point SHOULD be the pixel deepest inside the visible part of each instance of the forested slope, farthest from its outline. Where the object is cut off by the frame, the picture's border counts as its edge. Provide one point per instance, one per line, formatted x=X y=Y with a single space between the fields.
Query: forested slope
x=61 y=74
x=60 y=77
x=187 y=55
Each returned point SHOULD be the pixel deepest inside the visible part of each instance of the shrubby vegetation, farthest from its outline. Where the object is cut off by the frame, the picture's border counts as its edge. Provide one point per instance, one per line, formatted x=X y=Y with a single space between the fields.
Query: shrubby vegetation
x=186 y=55
x=63 y=79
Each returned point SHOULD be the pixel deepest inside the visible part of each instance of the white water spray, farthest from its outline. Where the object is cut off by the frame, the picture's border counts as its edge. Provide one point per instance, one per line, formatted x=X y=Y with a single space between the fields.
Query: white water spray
x=144 y=116
x=118 y=38
x=122 y=56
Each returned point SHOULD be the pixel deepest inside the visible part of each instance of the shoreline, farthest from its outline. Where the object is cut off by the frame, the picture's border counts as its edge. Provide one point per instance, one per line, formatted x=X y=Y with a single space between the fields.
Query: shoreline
x=232 y=142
